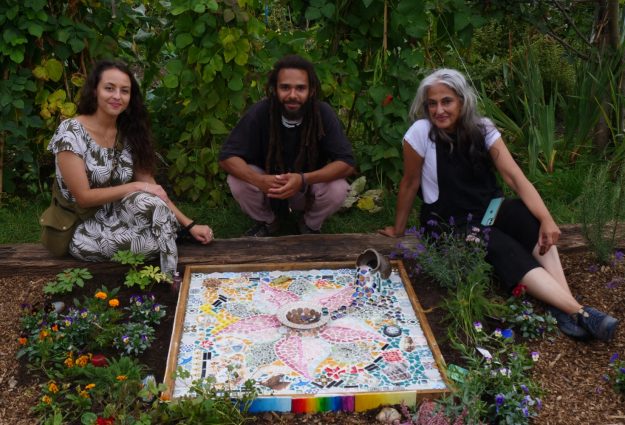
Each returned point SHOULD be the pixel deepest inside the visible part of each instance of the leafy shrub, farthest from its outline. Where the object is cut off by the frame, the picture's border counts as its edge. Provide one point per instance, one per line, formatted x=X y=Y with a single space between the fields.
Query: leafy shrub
x=523 y=317
x=602 y=203
x=66 y=280
x=143 y=277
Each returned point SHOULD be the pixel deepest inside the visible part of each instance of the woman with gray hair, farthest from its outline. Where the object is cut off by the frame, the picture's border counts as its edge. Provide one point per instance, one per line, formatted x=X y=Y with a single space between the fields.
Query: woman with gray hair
x=450 y=157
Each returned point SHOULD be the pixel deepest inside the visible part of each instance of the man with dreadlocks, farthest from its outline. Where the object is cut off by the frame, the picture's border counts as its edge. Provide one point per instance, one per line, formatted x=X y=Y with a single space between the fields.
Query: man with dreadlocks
x=288 y=152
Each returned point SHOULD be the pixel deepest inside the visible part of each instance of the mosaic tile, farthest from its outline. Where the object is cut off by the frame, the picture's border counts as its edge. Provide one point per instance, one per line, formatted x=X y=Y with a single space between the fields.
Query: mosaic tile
x=353 y=334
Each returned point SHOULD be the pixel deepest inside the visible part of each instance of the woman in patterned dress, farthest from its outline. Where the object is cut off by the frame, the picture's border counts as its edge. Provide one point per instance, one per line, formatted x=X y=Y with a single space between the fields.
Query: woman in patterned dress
x=105 y=159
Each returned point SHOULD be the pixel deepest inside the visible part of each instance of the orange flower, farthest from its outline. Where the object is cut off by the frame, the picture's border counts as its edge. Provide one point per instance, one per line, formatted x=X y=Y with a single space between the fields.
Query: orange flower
x=164 y=397
x=69 y=361
x=114 y=302
x=55 y=328
x=83 y=394
x=43 y=334
x=46 y=399
x=89 y=387
x=22 y=341
x=53 y=388
x=101 y=295
x=82 y=361
x=121 y=378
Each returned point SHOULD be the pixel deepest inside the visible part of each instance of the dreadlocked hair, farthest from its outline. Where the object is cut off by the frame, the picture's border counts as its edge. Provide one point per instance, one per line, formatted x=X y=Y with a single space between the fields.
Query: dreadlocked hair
x=312 y=125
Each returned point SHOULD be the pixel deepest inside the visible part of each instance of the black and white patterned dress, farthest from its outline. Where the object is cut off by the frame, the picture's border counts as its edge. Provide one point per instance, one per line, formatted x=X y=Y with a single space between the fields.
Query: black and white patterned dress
x=140 y=222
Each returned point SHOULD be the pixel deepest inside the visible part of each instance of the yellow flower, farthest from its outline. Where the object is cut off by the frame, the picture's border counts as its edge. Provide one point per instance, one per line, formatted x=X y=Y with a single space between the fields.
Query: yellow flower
x=89 y=386
x=53 y=388
x=121 y=377
x=69 y=361
x=46 y=399
x=82 y=361
x=43 y=334
x=114 y=302
x=100 y=295
x=83 y=394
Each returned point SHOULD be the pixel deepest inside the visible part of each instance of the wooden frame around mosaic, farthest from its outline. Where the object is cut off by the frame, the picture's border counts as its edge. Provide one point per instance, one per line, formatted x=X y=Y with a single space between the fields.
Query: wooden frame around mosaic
x=367 y=400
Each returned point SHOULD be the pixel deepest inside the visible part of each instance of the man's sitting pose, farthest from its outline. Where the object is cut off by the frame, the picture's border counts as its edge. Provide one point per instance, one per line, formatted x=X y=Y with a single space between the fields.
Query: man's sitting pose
x=288 y=152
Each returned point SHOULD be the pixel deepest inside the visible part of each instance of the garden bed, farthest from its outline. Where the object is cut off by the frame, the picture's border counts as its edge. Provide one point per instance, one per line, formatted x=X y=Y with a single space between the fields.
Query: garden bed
x=571 y=373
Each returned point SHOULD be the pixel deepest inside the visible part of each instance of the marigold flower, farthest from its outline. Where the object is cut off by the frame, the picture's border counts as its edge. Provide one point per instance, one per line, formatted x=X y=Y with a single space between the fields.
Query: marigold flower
x=46 y=399
x=114 y=302
x=53 y=388
x=82 y=361
x=89 y=387
x=101 y=295
x=22 y=341
x=69 y=362
x=121 y=378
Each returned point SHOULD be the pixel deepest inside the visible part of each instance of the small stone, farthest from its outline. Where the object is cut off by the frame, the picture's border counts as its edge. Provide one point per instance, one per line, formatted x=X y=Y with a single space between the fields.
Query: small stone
x=388 y=415
x=58 y=306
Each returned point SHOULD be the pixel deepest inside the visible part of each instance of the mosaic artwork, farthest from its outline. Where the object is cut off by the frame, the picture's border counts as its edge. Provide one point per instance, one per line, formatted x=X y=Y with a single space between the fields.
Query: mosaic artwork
x=314 y=339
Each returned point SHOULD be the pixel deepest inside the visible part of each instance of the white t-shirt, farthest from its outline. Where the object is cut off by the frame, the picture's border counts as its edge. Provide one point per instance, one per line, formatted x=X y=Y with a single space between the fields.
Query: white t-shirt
x=417 y=137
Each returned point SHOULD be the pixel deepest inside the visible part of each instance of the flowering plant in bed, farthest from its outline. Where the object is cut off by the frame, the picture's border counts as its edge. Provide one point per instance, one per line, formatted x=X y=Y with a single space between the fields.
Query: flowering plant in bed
x=523 y=317
x=94 y=324
x=495 y=387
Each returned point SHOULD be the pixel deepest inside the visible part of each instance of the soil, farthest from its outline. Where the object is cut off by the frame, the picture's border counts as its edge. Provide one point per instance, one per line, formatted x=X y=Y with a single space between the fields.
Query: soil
x=571 y=373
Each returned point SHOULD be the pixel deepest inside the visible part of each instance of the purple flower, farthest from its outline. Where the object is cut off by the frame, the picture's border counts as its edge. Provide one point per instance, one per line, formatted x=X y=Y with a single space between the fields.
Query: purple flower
x=435 y=236
x=593 y=268
x=621 y=369
x=469 y=217
x=526 y=412
x=525 y=389
x=432 y=222
x=499 y=399
x=452 y=221
x=618 y=256
x=614 y=358
x=539 y=404
x=614 y=283
x=535 y=356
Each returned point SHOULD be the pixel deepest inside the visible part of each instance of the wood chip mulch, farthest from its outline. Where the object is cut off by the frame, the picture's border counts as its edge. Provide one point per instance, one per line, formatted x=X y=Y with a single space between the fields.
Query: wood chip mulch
x=572 y=374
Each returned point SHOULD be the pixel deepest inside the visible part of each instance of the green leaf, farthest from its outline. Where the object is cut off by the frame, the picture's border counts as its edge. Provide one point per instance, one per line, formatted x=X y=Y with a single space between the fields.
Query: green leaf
x=40 y=73
x=235 y=83
x=312 y=13
x=174 y=66
x=328 y=10
x=228 y=15
x=212 y=5
x=367 y=3
x=183 y=40
x=170 y=81
x=54 y=69
x=16 y=55
x=35 y=29
x=217 y=126
x=77 y=45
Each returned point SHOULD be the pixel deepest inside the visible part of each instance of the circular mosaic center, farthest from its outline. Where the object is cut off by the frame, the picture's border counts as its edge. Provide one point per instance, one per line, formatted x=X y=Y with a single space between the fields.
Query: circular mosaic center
x=302 y=315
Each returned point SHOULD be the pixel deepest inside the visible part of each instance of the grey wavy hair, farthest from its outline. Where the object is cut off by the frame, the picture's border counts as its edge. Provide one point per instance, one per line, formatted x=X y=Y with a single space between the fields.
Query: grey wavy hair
x=455 y=81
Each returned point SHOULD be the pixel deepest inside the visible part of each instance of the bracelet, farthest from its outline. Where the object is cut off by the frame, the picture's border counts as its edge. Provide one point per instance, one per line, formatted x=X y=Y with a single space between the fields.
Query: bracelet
x=304 y=183
x=189 y=226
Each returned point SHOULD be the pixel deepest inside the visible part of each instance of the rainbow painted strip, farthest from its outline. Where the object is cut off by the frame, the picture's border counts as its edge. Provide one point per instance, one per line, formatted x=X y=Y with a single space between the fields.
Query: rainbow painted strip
x=332 y=403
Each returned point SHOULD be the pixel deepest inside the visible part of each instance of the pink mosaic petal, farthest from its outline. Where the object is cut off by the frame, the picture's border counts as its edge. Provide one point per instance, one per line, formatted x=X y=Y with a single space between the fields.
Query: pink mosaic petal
x=342 y=334
x=340 y=298
x=277 y=297
x=289 y=350
x=252 y=324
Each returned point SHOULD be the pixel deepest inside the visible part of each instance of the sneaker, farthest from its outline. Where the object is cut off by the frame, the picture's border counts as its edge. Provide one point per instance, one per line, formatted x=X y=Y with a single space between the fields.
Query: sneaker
x=261 y=229
x=599 y=324
x=568 y=324
x=305 y=230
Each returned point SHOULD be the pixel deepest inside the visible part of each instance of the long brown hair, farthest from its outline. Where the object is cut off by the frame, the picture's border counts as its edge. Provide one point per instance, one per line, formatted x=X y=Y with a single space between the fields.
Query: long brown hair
x=312 y=124
x=133 y=124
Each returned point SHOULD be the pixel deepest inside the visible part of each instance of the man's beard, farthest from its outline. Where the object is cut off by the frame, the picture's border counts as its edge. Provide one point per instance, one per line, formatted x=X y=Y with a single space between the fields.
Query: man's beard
x=295 y=115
